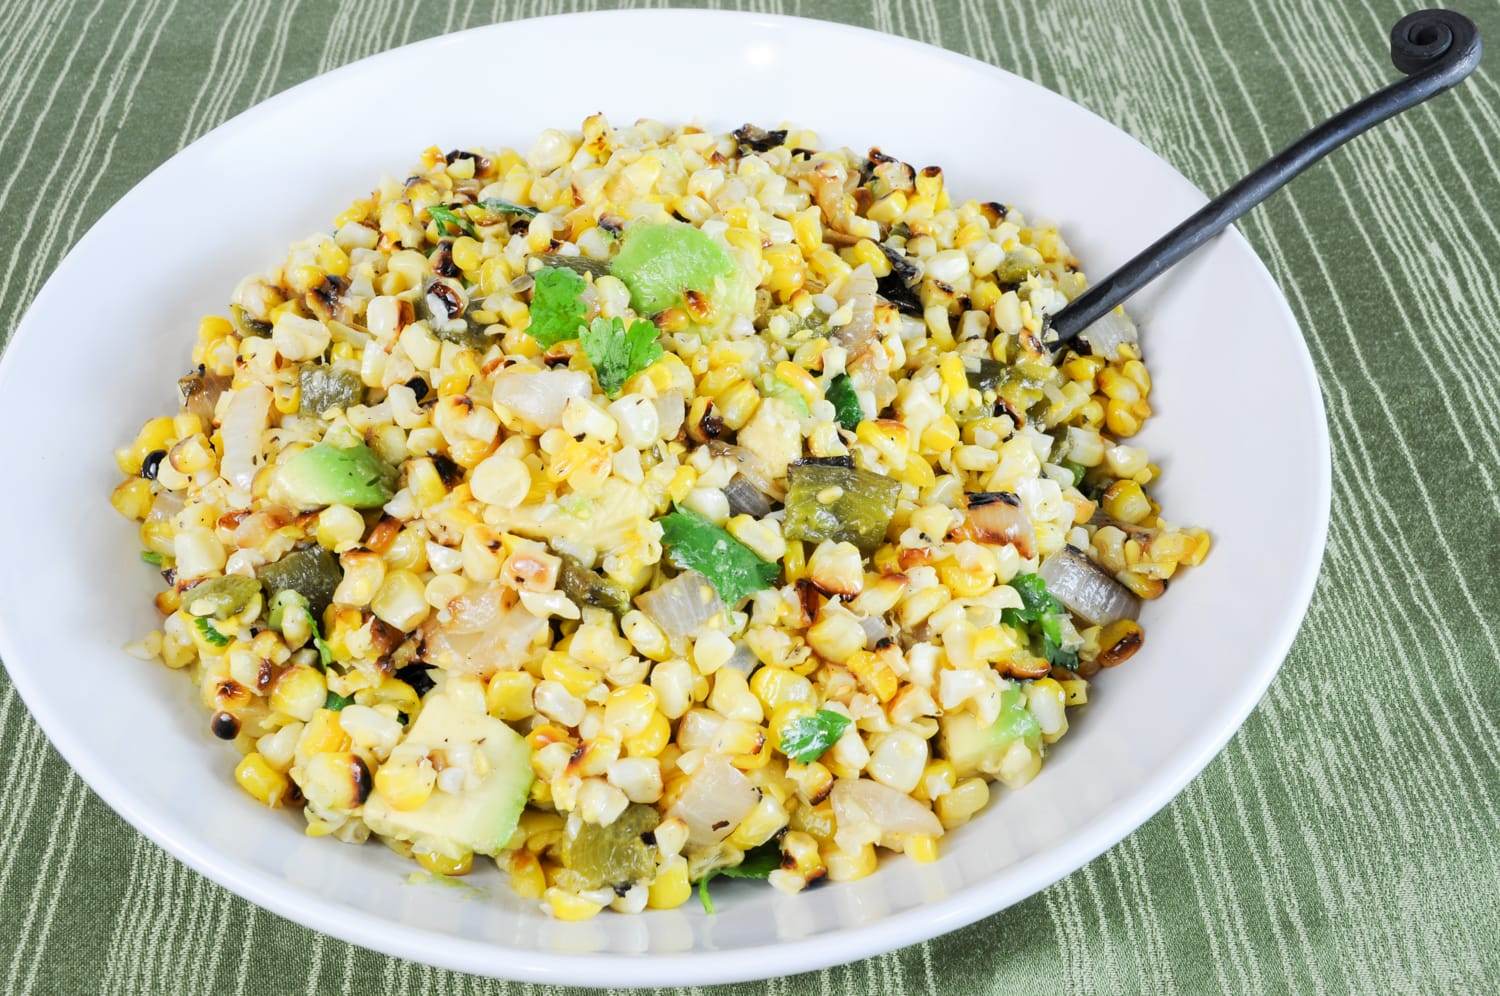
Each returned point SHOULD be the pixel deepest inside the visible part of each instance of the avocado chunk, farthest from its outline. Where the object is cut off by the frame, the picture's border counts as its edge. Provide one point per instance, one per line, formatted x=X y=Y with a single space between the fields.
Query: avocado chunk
x=480 y=819
x=333 y=475
x=658 y=262
x=971 y=747
x=313 y=573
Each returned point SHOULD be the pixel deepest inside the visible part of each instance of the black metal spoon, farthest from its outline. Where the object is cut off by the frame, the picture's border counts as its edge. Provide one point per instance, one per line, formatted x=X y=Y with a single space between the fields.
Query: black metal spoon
x=1436 y=49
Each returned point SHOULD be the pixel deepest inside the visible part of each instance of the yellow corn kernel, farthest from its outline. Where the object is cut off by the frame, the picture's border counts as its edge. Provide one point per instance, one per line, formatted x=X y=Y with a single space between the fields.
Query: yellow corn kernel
x=322 y=735
x=845 y=866
x=256 y=776
x=957 y=806
x=866 y=252
x=1083 y=368
x=800 y=381
x=468 y=254
x=874 y=674
x=564 y=905
x=1120 y=419
x=156 y=434
x=966 y=582
x=776 y=686
x=829 y=264
x=889 y=209
x=332 y=259
x=299 y=692
x=630 y=710
x=683 y=479
x=575 y=677
x=762 y=823
x=921 y=847
x=1075 y=692
x=951 y=370
x=1126 y=502
x=1117 y=386
x=425 y=483
x=1202 y=542
x=443 y=864
x=784 y=714
x=651 y=741
x=794 y=563
x=405 y=786
x=671 y=887
x=807 y=228
x=737 y=403
x=940 y=435
x=509 y=696
x=132 y=498
x=401 y=601
x=526 y=877
x=937 y=778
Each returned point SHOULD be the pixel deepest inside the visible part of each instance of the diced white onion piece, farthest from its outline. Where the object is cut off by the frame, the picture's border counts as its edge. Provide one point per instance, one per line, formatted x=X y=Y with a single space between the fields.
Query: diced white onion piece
x=244 y=425
x=1086 y=589
x=539 y=396
x=716 y=799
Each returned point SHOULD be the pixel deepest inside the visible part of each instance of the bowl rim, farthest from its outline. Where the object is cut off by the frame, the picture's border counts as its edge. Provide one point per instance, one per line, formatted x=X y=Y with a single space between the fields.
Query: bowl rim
x=962 y=907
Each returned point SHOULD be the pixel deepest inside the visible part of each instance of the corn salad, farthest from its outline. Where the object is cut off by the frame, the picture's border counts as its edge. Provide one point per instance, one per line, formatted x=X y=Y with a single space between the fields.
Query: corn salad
x=648 y=503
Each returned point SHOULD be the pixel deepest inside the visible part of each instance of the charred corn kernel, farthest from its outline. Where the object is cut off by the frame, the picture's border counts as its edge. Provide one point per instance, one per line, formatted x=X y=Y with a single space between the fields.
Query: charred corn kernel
x=957 y=806
x=737 y=403
x=509 y=696
x=299 y=692
x=652 y=740
x=1120 y=419
x=847 y=866
x=836 y=636
x=874 y=675
x=794 y=563
x=1119 y=641
x=405 y=786
x=630 y=710
x=525 y=871
x=256 y=776
x=445 y=864
x=1075 y=692
x=1126 y=502
x=671 y=887
x=133 y=498
x=921 y=847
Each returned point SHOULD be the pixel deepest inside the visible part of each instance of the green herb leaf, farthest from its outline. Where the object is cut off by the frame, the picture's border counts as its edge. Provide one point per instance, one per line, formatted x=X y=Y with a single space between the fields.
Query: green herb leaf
x=758 y=863
x=325 y=653
x=450 y=221
x=501 y=206
x=805 y=738
x=152 y=557
x=557 y=307
x=1076 y=469
x=846 y=404
x=1041 y=619
x=209 y=633
x=694 y=543
x=1015 y=721
x=335 y=701
x=618 y=353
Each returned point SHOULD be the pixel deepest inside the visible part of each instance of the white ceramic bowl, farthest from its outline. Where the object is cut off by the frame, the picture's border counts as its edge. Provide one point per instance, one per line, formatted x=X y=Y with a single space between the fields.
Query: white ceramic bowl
x=1240 y=435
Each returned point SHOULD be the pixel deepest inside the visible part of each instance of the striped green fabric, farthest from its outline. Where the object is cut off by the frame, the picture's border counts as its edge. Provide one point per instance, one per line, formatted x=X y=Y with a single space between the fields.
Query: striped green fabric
x=1345 y=841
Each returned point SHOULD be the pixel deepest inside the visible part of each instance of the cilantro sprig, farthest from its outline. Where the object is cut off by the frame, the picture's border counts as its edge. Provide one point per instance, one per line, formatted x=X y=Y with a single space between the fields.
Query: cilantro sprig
x=619 y=353
x=694 y=543
x=450 y=221
x=209 y=632
x=759 y=863
x=805 y=738
x=557 y=307
x=1040 y=618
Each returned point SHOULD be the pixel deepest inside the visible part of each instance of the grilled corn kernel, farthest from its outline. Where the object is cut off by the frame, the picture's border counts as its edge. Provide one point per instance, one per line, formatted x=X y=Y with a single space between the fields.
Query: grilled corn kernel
x=957 y=806
x=256 y=776
x=651 y=741
x=405 y=786
x=847 y=866
x=401 y=601
x=299 y=692
x=525 y=871
x=671 y=887
x=1126 y=502
x=509 y=695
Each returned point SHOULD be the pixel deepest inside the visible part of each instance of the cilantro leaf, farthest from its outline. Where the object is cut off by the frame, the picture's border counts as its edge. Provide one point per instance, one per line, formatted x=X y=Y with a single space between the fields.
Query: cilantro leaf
x=805 y=738
x=618 y=353
x=1040 y=619
x=291 y=600
x=501 y=206
x=325 y=652
x=846 y=404
x=450 y=221
x=557 y=307
x=694 y=543
x=335 y=701
x=209 y=633
x=759 y=862
x=1076 y=469
x=151 y=557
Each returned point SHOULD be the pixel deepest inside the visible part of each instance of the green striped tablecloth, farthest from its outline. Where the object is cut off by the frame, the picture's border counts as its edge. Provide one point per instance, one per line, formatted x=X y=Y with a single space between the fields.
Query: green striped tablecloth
x=1346 y=841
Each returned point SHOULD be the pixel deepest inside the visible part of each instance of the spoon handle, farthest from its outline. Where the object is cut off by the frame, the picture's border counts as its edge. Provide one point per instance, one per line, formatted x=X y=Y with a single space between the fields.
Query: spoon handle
x=1436 y=49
